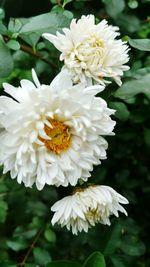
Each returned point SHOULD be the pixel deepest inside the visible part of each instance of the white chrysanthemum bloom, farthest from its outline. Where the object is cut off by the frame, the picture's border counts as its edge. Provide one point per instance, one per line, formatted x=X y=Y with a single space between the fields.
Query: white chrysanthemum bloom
x=86 y=207
x=91 y=50
x=51 y=134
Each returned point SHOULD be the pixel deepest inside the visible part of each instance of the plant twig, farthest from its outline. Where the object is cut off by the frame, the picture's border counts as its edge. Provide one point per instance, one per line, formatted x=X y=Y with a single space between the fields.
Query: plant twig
x=59 y=3
x=36 y=54
x=29 y=50
x=30 y=248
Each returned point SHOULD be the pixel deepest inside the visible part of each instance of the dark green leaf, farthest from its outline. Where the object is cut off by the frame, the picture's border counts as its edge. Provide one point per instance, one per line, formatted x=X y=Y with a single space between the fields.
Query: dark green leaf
x=25 y=233
x=140 y=44
x=2 y=13
x=41 y=256
x=134 y=87
x=14 y=25
x=63 y=264
x=50 y=235
x=13 y=44
x=133 y=4
x=3 y=187
x=3 y=210
x=122 y=112
x=17 y=244
x=118 y=261
x=132 y=246
x=6 y=60
x=96 y=259
x=147 y=136
x=114 y=7
x=130 y=23
x=31 y=38
x=30 y=265
x=49 y=22
x=112 y=239
x=3 y=28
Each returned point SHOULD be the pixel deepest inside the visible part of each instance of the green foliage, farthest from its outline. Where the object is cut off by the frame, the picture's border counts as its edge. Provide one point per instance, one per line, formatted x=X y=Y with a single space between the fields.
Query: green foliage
x=5 y=60
x=95 y=260
x=63 y=264
x=41 y=256
x=25 y=228
x=141 y=44
x=122 y=111
x=3 y=210
x=114 y=7
x=133 y=87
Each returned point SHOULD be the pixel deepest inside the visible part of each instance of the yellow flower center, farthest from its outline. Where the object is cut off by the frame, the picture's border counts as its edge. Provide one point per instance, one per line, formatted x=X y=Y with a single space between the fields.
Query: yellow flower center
x=59 y=134
x=93 y=215
x=97 y=42
x=90 y=52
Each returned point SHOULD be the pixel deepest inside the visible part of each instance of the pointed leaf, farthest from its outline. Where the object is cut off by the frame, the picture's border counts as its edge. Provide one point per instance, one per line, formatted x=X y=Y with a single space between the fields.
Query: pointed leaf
x=6 y=60
x=140 y=44
x=134 y=87
x=96 y=259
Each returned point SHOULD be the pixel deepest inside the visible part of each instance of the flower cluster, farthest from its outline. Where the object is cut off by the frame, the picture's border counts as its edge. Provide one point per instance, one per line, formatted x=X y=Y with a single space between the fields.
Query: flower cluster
x=54 y=134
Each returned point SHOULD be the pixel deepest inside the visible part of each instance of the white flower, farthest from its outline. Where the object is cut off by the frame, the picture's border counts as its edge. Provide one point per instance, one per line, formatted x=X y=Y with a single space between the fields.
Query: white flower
x=86 y=207
x=51 y=134
x=91 y=50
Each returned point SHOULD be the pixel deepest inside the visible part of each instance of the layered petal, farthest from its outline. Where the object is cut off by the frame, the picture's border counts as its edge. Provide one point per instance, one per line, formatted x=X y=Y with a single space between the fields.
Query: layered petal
x=52 y=134
x=86 y=207
x=91 y=51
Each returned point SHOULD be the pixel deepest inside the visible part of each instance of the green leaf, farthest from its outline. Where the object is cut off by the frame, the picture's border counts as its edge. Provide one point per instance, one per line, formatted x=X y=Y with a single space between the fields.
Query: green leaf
x=17 y=244
x=13 y=45
x=38 y=206
x=60 y=10
x=140 y=44
x=112 y=239
x=2 y=13
x=31 y=38
x=132 y=246
x=3 y=210
x=122 y=112
x=131 y=227
x=118 y=261
x=133 y=4
x=30 y=265
x=63 y=264
x=129 y=23
x=6 y=60
x=114 y=7
x=96 y=259
x=134 y=87
x=147 y=136
x=3 y=28
x=41 y=256
x=50 y=235
x=48 y=22
x=3 y=254
x=14 y=25
x=25 y=233
x=3 y=187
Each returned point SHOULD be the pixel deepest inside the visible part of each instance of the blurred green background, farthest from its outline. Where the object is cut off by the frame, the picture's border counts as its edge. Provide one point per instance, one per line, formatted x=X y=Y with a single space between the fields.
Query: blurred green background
x=26 y=235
